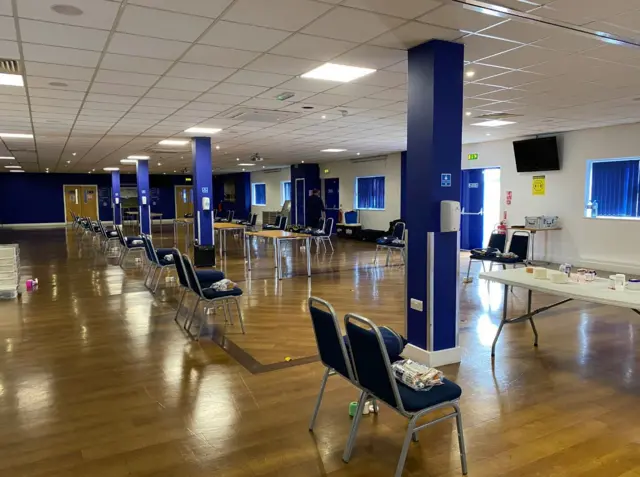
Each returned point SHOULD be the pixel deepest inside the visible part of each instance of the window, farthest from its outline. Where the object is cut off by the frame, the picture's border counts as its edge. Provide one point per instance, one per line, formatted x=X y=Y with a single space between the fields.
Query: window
x=285 y=191
x=259 y=194
x=369 y=194
x=613 y=189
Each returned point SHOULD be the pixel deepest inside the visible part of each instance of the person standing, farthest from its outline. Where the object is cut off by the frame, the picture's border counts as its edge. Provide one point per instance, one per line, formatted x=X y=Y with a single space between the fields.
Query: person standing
x=315 y=209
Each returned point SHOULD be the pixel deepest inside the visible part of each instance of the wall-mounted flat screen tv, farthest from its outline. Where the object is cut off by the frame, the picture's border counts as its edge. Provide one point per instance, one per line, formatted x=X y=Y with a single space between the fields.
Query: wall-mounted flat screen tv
x=536 y=155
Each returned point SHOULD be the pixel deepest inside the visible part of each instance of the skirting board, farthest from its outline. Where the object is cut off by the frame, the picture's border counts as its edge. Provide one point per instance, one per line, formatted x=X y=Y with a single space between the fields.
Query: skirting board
x=433 y=358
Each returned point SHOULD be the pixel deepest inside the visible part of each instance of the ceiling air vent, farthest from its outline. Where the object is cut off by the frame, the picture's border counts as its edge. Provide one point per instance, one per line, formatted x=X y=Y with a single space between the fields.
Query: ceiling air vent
x=258 y=115
x=169 y=151
x=10 y=66
x=498 y=116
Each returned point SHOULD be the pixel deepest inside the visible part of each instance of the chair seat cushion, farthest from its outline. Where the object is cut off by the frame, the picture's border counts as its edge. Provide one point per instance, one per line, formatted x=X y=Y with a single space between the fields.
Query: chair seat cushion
x=112 y=233
x=475 y=256
x=165 y=263
x=414 y=401
x=507 y=260
x=210 y=293
x=209 y=277
x=164 y=251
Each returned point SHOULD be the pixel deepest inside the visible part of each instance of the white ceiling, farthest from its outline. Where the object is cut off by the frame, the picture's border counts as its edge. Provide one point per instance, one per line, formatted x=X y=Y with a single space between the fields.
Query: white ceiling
x=125 y=74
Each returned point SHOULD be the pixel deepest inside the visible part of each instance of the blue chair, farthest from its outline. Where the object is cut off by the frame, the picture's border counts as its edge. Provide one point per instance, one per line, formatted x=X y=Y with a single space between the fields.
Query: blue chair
x=230 y=215
x=205 y=277
x=274 y=226
x=157 y=260
x=325 y=235
x=333 y=348
x=128 y=244
x=210 y=296
x=518 y=245
x=373 y=374
x=497 y=243
x=396 y=242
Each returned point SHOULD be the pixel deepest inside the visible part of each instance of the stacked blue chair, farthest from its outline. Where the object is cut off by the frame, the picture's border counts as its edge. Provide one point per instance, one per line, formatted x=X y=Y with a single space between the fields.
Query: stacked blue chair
x=211 y=297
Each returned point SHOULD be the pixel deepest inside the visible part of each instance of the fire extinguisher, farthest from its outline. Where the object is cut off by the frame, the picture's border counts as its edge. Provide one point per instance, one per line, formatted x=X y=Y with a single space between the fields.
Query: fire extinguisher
x=502 y=226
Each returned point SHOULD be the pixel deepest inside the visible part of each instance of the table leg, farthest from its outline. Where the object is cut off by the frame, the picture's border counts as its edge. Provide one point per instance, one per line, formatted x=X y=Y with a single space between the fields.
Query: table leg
x=275 y=251
x=308 y=256
x=244 y=236
x=279 y=252
x=248 y=251
x=533 y=325
x=175 y=234
x=533 y=246
x=503 y=321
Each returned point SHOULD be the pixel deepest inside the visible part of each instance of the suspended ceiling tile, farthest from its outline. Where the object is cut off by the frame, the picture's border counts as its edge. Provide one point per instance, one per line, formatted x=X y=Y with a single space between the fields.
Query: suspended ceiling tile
x=185 y=84
x=216 y=56
x=134 y=64
x=243 y=37
x=352 y=25
x=369 y=56
x=61 y=56
x=58 y=71
x=282 y=65
x=456 y=17
x=67 y=36
x=479 y=47
x=271 y=14
x=161 y=93
x=202 y=72
x=238 y=89
x=119 y=89
x=96 y=14
x=413 y=34
x=125 y=78
x=7 y=29
x=147 y=47
x=400 y=8
x=256 y=78
x=204 y=8
x=161 y=24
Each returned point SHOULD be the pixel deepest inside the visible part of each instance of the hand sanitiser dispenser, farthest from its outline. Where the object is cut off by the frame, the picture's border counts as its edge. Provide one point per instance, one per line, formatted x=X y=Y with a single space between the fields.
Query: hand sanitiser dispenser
x=449 y=216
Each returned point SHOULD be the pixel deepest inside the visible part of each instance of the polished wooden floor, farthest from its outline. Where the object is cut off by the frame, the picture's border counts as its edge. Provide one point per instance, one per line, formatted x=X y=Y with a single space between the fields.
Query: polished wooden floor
x=96 y=379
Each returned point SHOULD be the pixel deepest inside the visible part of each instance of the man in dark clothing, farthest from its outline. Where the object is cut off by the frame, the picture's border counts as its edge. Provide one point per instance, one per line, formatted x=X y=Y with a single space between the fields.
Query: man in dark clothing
x=315 y=209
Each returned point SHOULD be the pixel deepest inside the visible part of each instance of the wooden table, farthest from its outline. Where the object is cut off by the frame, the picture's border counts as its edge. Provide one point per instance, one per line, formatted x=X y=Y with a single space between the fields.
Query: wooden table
x=533 y=231
x=222 y=228
x=278 y=236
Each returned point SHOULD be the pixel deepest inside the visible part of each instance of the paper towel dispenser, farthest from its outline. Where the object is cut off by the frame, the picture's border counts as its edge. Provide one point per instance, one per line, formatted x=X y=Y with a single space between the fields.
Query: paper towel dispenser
x=449 y=216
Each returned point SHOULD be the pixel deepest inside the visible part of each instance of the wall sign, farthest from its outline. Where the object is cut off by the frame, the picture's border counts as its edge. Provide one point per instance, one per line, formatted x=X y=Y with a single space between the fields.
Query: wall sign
x=474 y=185
x=205 y=190
x=473 y=157
x=509 y=197
x=445 y=180
x=539 y=185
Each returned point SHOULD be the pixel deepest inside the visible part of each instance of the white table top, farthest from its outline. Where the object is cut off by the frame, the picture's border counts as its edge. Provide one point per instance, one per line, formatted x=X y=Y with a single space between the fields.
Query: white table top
x=595 y=292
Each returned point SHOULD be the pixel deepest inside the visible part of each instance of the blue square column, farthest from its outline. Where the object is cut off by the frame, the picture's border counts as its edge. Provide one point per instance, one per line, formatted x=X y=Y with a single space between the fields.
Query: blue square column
x=434 y=149
x=115 y=198
x=144 y=196
x=202 y=190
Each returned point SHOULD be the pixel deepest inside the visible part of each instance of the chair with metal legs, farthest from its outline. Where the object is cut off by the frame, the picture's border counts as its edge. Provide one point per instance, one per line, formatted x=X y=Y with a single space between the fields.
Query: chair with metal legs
x=128 y=244
x=398 y=243
x=211 y=297
x=497 y=242
x=325 y=237
x=373 y=374
x=156 y=261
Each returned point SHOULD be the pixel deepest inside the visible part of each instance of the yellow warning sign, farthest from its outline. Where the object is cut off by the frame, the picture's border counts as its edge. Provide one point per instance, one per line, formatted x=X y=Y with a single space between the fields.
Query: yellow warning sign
x=539 y=185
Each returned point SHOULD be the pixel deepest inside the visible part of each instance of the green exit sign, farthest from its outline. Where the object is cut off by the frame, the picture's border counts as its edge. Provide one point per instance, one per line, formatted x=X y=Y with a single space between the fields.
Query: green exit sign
x=326 y=171
x=473 y=157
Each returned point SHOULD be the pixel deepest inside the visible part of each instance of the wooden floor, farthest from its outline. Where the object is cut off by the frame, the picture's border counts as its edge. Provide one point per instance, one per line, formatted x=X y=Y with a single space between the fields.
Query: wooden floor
x=96 y=379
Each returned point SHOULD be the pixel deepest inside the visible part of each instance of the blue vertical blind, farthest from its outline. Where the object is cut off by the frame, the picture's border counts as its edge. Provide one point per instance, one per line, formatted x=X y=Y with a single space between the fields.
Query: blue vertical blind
x=370 y=193
x=614 y=184
x=286 y=192
x=259 y=194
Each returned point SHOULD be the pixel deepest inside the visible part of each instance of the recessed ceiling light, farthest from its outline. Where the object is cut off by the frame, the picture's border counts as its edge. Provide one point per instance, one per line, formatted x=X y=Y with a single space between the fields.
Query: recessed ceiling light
x=175 y=171
x=7 y=158
x=488 y=134
x=93 y=170
x=159 y=163
x=243 y=170
x=68 y=10
x=174 y=142
x=203 y=130
x=73 y=153
x=11 y=80
x=468 y=113
x=141 y=158
x=16 y=170
x=237 y=158
x=470 y=74
x=13 y=167
x=494 y=123
x=217 y=147
x=340 y=73
x=242 y=164
x=324 y=117
x=357 y=153
x=128 y=161
x=58 y=84
x=263 y=167
x=110 y=169
x=302 y=162
x=333 y=150
x=89 y=172
x=16 y=136
x=68 y=162
x=164 y=173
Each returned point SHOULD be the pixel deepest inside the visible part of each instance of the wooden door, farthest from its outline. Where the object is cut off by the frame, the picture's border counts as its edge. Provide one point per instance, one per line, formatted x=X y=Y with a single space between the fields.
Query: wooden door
x=89 y=201
x=72 y=201
x=184 y=201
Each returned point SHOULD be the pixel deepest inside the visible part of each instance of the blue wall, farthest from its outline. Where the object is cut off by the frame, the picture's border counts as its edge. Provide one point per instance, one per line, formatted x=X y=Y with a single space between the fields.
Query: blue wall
x=242 y=204
x=38 y=198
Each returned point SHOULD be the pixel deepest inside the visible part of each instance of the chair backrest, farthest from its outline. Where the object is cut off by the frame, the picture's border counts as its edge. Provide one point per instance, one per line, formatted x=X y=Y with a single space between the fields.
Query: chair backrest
x=190 y=272
x=398 y=230
x=498 y=241
x=321 y=224
x=276 y=223
x=182 y=274
x=328 y=227
x=230 y=215
x=103 y=229
x=283 y=222
x=215 y=214
x=371 y=361
x=253 y=220
x=331 y=347
x=520 y=244
x=121 y=237
x=148 y=248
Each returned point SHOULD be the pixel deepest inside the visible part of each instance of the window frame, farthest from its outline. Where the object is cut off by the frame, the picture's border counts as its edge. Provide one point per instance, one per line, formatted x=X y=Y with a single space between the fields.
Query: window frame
x=356 y=201
x=283 y=199
x=588 y=191
x=253 y=194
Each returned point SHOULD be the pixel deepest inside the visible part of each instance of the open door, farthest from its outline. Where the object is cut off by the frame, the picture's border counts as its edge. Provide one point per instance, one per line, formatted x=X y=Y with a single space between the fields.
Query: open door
x=472 y=223
x=332 y=200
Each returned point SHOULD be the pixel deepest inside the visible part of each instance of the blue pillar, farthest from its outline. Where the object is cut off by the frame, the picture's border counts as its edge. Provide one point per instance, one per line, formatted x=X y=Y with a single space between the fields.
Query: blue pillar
x=202 y=189
x=144 y=196
x=403 y=186
x=115 y=198
x=434 y=149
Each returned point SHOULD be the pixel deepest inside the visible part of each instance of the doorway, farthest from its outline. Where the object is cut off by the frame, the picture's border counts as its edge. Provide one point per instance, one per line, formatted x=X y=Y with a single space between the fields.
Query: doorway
x=332 y=200
x=301 y=202
x=184 y=201
x=480 y=201
x=81 y=200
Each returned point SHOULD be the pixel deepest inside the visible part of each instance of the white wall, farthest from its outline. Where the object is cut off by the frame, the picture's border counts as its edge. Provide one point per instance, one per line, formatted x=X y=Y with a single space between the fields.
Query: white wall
x=609 y=244
x=347 y=171
x=272 y=179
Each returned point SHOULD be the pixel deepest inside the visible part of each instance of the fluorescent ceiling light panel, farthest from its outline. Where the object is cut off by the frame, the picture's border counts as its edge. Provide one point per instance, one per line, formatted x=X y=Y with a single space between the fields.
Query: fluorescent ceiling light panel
x=11 y=80
x=333 y=150
x=7 y=158
x=111 y=169
x=138 y=157
x=246 y=164
x=128 y=161
x=340 y=73
x=16 y=170
x=13 y=167
x=494 y=123
x=174 y=142
x=16 y=136
x=202 y=130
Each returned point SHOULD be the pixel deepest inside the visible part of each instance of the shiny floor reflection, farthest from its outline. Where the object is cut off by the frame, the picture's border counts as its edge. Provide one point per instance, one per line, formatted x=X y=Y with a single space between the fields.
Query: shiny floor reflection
x=96 y=380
